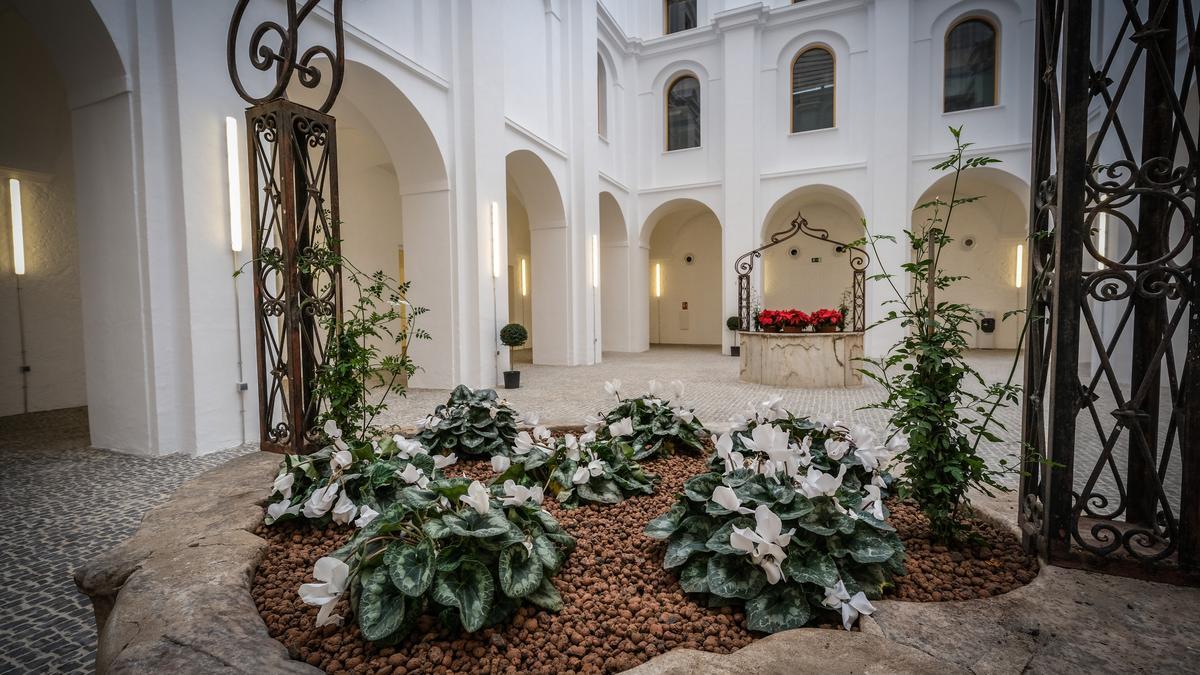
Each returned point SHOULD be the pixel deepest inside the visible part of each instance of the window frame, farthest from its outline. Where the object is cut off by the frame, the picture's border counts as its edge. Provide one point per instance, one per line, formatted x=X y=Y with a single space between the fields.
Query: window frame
x=995 y=26
x=667 y=18
x=667 y=111
x=791 y=96
x=602 y=96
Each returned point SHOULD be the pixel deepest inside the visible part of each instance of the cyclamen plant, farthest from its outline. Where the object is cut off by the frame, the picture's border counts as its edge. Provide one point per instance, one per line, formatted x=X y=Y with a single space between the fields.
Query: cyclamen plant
x=574 y=468
x=654 y=424
x=453 y=547
x=786 y=526
x=350 y=482
x=472 y=423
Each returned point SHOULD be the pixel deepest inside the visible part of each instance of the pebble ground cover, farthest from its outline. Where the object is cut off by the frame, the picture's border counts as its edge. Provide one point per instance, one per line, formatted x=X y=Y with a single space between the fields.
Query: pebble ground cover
x=621 y=608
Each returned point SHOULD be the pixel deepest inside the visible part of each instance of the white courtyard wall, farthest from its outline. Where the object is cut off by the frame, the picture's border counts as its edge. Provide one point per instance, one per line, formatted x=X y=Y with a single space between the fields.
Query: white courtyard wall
x=488 y=78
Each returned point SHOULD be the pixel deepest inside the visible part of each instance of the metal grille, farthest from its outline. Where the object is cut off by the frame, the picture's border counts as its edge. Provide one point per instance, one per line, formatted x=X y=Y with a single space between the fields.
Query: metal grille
x=1112 y=400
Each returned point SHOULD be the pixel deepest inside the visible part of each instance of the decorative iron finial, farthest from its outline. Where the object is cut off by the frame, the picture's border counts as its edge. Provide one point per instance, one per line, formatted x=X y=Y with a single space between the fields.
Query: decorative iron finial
x=286 y=57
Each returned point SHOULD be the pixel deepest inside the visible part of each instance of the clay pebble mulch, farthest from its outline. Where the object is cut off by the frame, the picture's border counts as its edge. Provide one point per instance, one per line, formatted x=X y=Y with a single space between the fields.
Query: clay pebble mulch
x=993 y=563
x=621 y=608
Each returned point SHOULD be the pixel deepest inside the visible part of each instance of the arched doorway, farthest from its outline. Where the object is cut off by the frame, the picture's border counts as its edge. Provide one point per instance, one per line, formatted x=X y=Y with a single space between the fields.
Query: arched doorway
x=86 y=318
x=684 y=241
x=395 y=206
x=804 y=273
x=537 y=233
x=615 y=276
x=990 y=236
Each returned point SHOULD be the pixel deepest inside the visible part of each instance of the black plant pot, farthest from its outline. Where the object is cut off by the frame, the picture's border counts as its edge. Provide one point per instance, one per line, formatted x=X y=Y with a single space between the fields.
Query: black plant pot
x=735 y=350
x=512 y=379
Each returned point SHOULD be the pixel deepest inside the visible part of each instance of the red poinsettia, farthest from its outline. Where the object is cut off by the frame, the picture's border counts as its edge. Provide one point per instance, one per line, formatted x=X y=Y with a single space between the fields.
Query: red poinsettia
x=826 y=317
x=795 y=318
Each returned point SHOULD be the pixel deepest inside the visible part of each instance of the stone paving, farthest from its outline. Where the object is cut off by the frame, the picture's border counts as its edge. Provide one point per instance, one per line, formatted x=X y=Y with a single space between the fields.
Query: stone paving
x=62 y=504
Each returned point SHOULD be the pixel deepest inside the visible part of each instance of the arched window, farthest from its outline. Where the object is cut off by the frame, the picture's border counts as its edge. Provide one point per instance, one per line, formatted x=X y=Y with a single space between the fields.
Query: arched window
x=812 y=90
x=683 y=113
x=601 y=97
x=971 y=56
x=679 y=15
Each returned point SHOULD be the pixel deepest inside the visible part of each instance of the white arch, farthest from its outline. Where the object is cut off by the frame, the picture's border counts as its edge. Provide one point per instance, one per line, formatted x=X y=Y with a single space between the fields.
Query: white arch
x=533 y=184
x=690 y=308
x=615 y=260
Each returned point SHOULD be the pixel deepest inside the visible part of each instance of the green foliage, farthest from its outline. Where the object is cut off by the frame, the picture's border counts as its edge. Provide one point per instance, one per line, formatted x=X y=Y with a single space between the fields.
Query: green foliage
x=660 y=427
x=574 y=469
x=356 y=475
x=446 y=557
x=472 y=423
x=513 y=335
x=733 y=323
x=935 y=397
x=784 y=521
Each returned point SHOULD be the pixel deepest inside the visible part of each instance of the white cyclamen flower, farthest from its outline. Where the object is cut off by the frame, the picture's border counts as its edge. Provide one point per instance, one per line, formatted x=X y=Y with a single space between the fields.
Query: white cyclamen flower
x=523 y=443
x=820 y=484
x=542 y=434
x=766 y=438
x=873 y=501
x=836 y=448
x=529 y=419
x=340 y=460
x=283 y=484
x=733 y=460
x=677 y=389
x=478 y=498
x=584 y=473
x=624 y=427
x=332 y=575
x=500 y=463
x=321 y=501
x=335 y=434
x=765 y=543
x=408 y=448
x=516 y=495
x=684 y=414
x=344 y=510
x=593 y=422
x=872 y=458
x=279 y=509
x=443 y=461
x=897 y=443
x=852 y=606
x=613 y=387
x=654 y=390
x=588 y=438
x=725 y=496
x=570 y=441
x=414 y=476
x=365 y=515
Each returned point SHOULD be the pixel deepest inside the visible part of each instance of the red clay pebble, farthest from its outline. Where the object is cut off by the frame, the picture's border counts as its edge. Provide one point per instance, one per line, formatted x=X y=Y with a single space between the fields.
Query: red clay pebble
x=621 y=608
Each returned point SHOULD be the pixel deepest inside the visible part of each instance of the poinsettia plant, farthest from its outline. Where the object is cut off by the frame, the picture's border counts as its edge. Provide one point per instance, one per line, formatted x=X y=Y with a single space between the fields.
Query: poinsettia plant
x=470 y=422
x=826 y=317
x=349 y=481
x=470 y=554
x=655 y=424
x=785 y=526
x=574 y=468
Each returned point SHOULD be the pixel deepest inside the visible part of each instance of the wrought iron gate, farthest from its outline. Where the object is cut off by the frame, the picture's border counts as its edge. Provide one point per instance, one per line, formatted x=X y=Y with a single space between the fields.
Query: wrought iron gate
x=1112 y=400
x=294 y=214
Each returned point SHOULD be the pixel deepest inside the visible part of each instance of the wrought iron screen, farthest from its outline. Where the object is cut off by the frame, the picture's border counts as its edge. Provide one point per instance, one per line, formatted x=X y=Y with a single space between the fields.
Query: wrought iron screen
x=859 y=261
x=1112 y=400
x=294 y=211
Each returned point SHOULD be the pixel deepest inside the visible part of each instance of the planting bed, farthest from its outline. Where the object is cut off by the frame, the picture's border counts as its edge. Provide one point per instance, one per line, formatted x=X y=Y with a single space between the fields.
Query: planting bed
x=621 y=608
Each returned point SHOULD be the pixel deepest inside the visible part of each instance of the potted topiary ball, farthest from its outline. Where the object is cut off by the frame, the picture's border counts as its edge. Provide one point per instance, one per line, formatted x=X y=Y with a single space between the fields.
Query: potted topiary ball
x=734 y=324
x=513 y=335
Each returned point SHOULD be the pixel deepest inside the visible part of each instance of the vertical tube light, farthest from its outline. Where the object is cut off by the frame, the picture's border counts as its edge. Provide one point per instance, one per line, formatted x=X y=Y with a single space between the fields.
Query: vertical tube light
x=235 y=183
x=18 y=225
x=1102 y=238
x=658 y=280
x=524 y=279
x=595 y=261
x=495 y=214
x=1019 y=272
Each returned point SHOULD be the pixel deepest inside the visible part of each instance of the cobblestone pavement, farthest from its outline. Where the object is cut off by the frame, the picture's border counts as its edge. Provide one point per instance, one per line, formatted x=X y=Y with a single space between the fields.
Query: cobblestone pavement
x=62 y=504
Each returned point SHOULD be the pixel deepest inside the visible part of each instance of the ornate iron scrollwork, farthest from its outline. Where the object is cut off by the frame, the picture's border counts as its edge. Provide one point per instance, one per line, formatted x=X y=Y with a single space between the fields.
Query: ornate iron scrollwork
x=1121 y=488
x=859 y=261
x=286 y=58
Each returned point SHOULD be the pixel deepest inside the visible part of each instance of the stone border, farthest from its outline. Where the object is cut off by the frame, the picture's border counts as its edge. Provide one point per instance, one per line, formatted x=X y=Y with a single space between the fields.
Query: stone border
x=175 y=598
